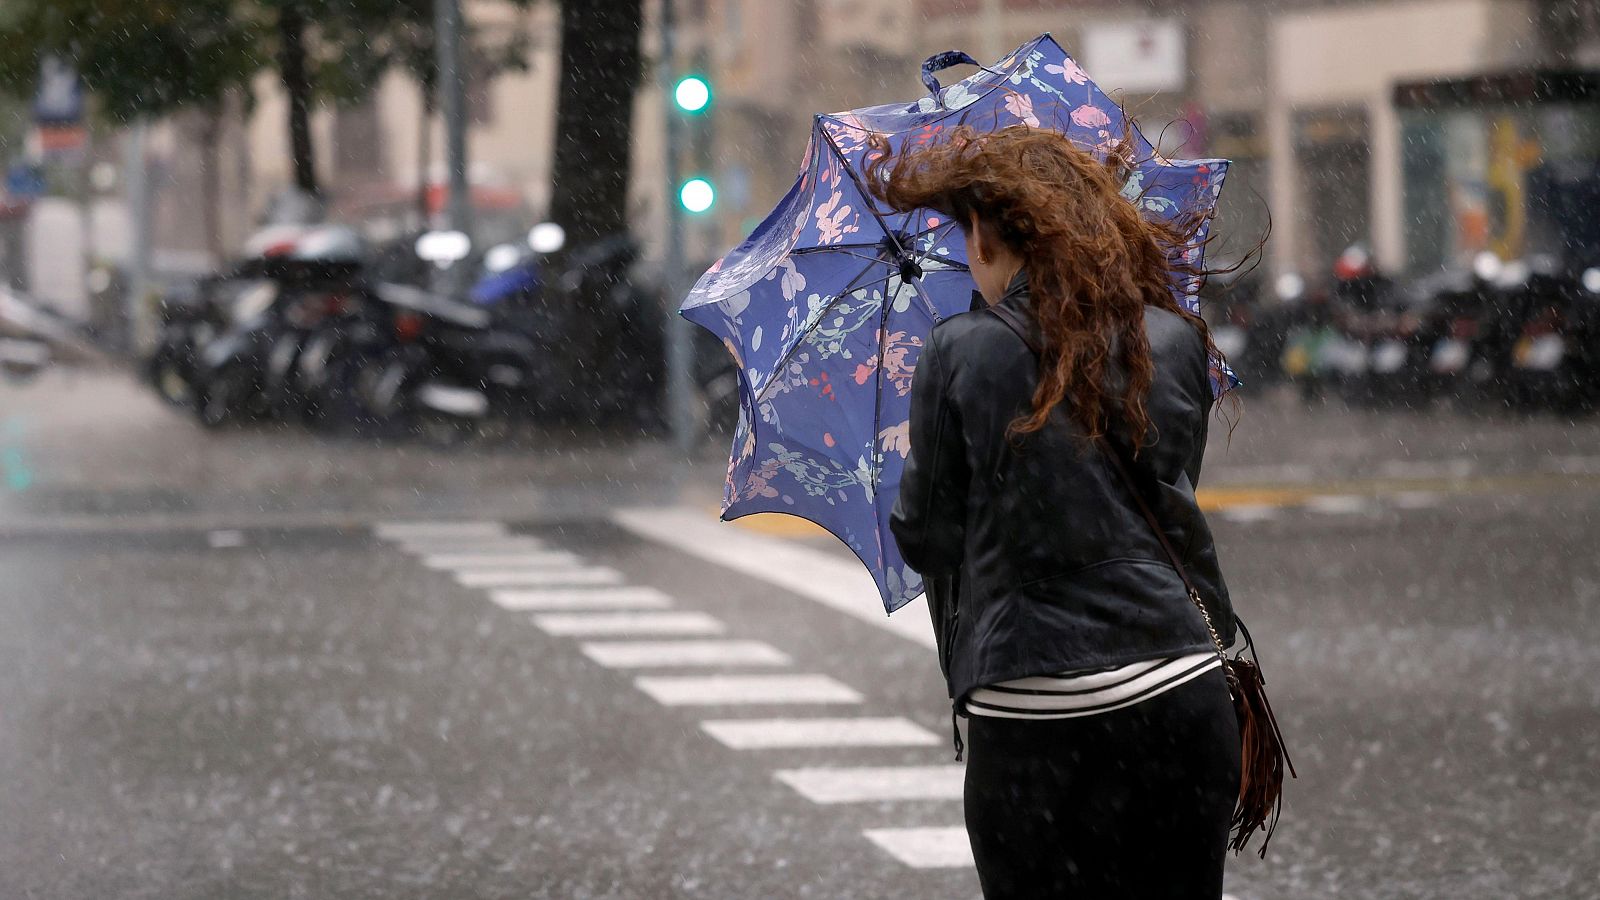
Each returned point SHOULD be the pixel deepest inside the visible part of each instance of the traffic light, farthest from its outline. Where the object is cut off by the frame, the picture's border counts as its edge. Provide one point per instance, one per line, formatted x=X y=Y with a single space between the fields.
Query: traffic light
x=697 y=195
x=692 y=95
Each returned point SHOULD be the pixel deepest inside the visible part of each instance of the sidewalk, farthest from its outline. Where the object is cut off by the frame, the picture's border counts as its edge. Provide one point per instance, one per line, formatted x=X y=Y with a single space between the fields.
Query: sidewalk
x=93 y=446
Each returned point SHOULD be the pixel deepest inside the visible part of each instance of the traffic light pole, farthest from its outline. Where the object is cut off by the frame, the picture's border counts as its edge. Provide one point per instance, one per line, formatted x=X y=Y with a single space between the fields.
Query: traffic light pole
x=679 y=338
x=452 y=90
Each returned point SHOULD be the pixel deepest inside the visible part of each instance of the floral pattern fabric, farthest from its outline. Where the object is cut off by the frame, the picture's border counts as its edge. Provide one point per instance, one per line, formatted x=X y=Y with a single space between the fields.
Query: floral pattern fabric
x=827 y=304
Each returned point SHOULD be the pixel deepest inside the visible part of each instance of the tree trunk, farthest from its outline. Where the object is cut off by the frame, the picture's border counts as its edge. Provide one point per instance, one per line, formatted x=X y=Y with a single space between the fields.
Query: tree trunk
x=297 y=85
x=211 y=180
x=600 y=69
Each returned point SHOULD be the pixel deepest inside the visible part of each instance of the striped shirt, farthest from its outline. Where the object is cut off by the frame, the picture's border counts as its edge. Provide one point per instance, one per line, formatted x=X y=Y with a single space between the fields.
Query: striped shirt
x=1085 y=693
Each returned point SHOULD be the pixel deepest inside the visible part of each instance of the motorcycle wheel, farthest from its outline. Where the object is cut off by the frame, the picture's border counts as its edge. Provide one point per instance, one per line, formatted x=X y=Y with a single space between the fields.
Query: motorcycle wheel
x=170 y=383
x=219 y=403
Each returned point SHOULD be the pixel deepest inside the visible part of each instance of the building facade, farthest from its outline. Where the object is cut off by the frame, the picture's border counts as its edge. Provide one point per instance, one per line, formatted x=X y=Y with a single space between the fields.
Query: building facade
x=1300 y=94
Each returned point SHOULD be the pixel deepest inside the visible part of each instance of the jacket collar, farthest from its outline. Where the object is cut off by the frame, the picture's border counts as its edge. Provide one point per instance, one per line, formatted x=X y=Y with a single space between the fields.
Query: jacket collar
x=1019 y=299
x=1016 y=292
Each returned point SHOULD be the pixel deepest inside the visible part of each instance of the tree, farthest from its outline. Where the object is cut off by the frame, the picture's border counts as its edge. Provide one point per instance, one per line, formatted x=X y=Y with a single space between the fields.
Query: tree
x=600 y=71
x=352 y=43
x=137 y=59
x=412 y=49
x=153 y=57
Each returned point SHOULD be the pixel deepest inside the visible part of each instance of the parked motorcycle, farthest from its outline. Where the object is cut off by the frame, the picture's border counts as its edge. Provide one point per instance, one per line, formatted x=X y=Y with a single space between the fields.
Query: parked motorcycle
x=1552 y=361
x=189 y=318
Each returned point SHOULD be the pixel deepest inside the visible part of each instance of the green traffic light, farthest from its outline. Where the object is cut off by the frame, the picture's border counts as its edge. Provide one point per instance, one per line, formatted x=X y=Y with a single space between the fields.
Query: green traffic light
x=692 y=93
x=697 y=195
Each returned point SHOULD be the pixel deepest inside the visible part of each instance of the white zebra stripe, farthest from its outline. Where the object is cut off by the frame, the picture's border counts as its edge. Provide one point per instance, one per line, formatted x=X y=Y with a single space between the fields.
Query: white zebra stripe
x=425 y=530
x=925 y=848
x=654 y=654
x=763 y=734
x=628 y=623
x=510 y=543
x=581 y=598
x=488 y=578
x=876 y=783
x=717 y=690
x=477 y=561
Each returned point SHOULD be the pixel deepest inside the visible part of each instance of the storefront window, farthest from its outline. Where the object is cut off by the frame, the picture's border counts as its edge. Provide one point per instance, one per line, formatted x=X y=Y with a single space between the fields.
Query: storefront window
x=1514 y=180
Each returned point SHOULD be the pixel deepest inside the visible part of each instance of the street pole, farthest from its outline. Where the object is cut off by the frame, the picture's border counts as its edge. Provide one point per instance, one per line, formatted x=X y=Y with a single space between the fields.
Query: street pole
x=136 y=184
x=678 y=337
x=452 y=91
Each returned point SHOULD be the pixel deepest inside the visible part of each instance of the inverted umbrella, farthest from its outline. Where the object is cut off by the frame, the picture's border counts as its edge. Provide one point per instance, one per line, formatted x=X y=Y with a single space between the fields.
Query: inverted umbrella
x=826 y=305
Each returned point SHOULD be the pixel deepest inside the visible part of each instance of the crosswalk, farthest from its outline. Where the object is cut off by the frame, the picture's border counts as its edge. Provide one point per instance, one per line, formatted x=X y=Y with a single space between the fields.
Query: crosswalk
x=686 y=659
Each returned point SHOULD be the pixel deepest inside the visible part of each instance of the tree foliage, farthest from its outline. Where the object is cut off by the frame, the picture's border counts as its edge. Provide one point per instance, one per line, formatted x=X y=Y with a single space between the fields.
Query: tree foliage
x=137 y=57
x=147 y=58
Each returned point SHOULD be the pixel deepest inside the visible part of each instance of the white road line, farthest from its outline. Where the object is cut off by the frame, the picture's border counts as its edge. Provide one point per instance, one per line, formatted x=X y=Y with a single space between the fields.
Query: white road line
x=1339 y=504
x=656 y=654
x=1249 y=513
x=395 y=531
x=1427 y=468
x=628 y=623
x=925 y=848
x=1289 y=472
x=225 y=538
x=716 y=690
x=764 y=734
x=474 y=561
x=842 y=584
x=486 y=578
x=1417 y=499
x=1576 y=465
x=510 y=543
x=876 y=783
x=582 y=598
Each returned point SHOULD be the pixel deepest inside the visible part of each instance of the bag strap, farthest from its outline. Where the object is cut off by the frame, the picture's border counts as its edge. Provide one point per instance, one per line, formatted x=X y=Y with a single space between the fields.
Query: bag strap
x=1015 y=322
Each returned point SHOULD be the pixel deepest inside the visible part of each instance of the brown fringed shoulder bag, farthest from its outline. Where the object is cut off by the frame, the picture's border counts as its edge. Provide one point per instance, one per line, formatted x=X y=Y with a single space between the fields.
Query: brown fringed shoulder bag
x=1263 y=755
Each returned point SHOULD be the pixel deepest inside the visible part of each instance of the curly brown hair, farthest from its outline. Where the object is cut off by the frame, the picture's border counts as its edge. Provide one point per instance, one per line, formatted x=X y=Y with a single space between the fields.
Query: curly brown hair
x=1093 y=261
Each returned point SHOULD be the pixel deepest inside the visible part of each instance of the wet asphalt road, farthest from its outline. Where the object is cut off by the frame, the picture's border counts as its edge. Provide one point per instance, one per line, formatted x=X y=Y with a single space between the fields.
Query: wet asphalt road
x=217 y=680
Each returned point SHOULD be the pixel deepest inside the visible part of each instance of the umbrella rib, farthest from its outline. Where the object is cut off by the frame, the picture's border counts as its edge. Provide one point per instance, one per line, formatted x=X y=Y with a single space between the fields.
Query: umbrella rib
x=865 y=196
x=947 y=226
x=846 y=252
x=854 y=284
x=831 y=247
x=877 y=422
x=916 y=285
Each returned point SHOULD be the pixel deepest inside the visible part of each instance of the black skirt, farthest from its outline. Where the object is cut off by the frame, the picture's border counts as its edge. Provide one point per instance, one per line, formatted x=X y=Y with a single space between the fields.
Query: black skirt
x=1132 y=803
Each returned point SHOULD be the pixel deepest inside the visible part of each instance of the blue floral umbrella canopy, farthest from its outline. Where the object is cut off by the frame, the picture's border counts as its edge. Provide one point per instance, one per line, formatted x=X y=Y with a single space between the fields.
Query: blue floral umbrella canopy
x=825 y=306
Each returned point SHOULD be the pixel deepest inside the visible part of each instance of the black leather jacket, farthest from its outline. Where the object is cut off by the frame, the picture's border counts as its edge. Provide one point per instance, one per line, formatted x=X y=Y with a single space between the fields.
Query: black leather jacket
x=1052 y=564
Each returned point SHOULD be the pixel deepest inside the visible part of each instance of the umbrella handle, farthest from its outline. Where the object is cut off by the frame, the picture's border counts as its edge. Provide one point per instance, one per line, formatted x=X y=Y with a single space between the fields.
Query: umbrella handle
x=940 y=61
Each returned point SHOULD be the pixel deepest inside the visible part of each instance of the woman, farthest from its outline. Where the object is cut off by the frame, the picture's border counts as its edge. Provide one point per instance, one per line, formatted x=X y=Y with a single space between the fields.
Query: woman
x=1104 y=750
